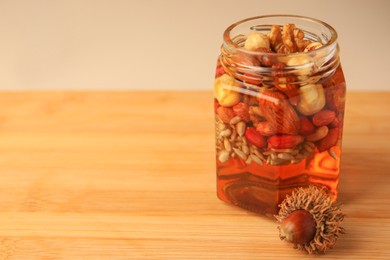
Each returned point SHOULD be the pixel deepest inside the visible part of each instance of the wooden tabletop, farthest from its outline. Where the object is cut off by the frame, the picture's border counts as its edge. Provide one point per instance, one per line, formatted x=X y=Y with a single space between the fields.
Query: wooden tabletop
x=131 y=175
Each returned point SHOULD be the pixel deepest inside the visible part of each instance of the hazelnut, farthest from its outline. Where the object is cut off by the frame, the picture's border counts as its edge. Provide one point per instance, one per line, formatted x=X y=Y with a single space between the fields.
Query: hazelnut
x=225 y=90
x=312 y=99
x=301 y=60
x=256 y=40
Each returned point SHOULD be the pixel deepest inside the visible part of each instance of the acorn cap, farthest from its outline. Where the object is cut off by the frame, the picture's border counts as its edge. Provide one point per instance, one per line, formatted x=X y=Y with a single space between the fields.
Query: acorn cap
x=327 y=216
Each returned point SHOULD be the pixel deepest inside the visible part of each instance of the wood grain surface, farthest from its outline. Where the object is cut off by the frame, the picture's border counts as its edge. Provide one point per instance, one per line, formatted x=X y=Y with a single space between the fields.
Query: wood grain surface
x=131 y=175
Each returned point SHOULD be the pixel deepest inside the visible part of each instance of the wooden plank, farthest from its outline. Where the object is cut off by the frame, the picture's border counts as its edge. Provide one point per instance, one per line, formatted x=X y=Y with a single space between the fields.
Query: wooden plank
x=131 y=175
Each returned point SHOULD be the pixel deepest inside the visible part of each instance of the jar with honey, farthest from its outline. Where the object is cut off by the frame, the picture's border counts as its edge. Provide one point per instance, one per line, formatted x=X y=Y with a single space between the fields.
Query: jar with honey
x=279 y=96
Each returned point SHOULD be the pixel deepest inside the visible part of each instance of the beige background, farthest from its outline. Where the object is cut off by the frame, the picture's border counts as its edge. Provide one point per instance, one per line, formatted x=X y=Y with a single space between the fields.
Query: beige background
x=171 y=44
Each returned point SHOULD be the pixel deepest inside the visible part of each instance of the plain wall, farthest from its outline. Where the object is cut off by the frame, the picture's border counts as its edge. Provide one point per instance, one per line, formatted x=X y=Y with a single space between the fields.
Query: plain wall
x=171 y=44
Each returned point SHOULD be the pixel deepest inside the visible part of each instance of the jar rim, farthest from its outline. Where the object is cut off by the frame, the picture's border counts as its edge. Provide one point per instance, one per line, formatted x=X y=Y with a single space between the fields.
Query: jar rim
x=231 y=44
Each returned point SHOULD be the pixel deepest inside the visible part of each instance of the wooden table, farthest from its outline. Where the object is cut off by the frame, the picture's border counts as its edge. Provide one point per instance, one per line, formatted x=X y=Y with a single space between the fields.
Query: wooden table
x=131 y=175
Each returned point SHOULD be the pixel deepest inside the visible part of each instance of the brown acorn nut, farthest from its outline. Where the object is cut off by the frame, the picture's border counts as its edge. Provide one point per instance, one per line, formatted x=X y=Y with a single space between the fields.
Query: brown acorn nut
x=310 y=220
x=299 y=227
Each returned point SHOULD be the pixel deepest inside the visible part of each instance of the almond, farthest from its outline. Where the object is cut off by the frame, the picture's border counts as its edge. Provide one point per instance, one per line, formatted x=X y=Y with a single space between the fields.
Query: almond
x=254 y=137
x=330 y=140
x=307 y=126
x=284 y=141
x=245 y=61
x=225 y=114
x=324 y=117
x=291 y=90
x=278 y=112
x=264 y=58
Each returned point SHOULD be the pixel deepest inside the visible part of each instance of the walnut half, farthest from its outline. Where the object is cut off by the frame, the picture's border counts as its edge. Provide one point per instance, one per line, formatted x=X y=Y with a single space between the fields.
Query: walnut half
x=291 y=40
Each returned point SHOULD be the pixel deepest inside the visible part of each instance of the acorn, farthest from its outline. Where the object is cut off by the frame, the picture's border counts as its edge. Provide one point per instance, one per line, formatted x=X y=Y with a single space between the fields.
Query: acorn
x=310 y=220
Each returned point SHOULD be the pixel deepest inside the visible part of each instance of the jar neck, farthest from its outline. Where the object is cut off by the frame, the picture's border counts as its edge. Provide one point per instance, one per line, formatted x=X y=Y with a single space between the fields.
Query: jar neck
x=298 y=68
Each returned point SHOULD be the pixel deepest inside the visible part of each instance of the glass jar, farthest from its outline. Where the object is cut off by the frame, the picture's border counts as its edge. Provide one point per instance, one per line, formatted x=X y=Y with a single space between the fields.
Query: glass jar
x=279 y=96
